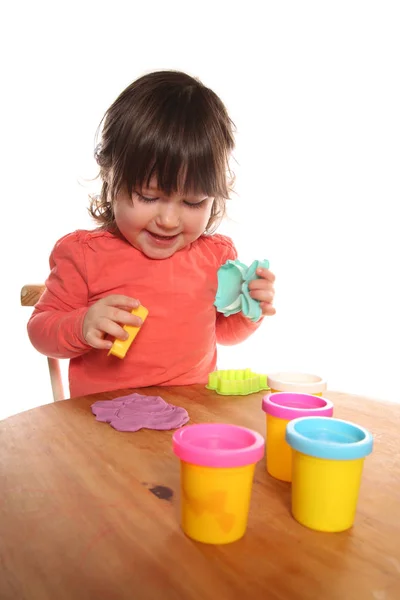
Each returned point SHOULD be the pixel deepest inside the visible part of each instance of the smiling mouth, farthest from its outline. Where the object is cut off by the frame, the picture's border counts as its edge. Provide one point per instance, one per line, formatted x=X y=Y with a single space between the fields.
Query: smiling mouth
x=162 y=241
x=162 y=237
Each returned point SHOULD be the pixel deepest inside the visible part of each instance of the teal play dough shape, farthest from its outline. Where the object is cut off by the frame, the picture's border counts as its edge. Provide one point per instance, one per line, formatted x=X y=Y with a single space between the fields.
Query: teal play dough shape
x=233 y=289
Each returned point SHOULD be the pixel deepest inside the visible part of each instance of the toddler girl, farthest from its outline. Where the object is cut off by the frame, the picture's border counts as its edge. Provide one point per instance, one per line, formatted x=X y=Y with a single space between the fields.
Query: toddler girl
x=163 y=157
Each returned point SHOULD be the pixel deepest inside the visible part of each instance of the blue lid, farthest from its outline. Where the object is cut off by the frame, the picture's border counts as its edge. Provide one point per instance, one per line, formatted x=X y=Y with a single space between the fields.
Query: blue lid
x=327 y=437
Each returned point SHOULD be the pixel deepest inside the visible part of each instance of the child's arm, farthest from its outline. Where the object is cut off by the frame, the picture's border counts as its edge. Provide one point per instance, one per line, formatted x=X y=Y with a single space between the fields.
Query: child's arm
x=234 y=329
x=55 y=327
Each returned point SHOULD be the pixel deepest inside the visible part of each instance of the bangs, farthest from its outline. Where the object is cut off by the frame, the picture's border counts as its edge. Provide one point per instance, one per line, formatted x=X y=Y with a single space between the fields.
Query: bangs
x=184 y=172
x=181 y=144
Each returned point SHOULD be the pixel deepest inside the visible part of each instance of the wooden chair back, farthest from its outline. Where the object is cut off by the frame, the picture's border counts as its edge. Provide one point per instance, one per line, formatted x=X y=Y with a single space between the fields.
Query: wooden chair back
x=30 y=295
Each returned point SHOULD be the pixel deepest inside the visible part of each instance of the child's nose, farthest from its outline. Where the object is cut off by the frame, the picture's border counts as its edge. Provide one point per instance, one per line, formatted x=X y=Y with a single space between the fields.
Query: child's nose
x=168 y=216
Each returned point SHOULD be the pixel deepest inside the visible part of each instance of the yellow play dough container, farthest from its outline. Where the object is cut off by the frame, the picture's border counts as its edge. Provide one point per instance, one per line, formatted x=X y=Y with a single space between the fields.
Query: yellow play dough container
x=217 y=469
x=328 y=459
x=304 y=383
x=280 y=408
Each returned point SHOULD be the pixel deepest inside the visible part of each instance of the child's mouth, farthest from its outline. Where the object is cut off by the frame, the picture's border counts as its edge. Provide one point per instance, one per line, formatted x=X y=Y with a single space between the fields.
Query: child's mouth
x=162 y=239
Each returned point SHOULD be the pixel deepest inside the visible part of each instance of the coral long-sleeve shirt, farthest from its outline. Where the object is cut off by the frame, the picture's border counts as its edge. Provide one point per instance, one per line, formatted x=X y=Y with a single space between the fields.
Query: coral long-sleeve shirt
x=176 y=344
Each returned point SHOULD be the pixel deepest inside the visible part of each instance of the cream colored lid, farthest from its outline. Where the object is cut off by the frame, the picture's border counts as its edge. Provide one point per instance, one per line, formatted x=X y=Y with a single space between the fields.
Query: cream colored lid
x=296 y=382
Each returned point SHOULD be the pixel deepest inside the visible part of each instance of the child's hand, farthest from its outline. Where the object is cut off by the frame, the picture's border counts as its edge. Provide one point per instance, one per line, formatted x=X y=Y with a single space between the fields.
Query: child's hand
x=104 y=317
x=263 y=291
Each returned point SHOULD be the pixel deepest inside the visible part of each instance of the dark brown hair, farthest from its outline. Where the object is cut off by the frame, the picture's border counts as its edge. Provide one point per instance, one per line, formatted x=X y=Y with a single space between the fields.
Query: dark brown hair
x=168 y=125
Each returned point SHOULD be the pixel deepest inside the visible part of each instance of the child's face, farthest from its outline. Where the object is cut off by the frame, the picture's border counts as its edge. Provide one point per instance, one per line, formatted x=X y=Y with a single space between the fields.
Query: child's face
x=160 y=225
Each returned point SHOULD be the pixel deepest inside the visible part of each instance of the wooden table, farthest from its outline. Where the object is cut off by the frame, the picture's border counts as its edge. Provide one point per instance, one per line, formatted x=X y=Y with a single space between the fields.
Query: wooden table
x=88 y=512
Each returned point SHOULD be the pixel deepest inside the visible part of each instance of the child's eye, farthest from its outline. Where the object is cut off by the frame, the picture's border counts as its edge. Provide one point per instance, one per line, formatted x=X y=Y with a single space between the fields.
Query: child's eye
x=145 y=198
x=195 y=204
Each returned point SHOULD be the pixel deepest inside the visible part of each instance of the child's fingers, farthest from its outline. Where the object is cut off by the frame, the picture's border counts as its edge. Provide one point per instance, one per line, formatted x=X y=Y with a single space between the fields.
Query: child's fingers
x=267 y=309
x=263 y=295
x=96 y=340
x=122 y=316
x=121 y=301
x=111 y=328
x=266 y=274
x=260 y=284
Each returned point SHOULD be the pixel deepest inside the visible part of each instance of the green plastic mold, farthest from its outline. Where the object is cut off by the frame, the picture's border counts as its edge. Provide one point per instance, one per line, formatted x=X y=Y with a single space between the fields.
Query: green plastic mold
x=236 y=382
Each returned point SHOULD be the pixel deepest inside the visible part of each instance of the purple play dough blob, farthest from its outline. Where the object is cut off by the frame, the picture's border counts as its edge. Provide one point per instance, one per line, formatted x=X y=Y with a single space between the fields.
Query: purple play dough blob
x=134 y=412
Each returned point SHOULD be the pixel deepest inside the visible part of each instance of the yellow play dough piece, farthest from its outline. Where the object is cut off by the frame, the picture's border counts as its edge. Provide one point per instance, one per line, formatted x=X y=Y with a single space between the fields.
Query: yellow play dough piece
x=121 y=347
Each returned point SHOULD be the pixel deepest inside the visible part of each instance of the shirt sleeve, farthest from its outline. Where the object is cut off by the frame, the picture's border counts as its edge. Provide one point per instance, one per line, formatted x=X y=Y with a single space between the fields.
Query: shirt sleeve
x=235 y=328
x=55 y=327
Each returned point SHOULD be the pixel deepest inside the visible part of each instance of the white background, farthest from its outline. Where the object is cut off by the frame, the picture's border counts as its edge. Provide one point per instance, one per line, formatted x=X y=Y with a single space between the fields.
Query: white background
x=313 y=88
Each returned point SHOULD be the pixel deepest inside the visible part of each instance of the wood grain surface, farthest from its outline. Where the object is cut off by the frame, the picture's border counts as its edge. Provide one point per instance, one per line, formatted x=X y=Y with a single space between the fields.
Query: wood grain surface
x=88 y=512
x=31 y=293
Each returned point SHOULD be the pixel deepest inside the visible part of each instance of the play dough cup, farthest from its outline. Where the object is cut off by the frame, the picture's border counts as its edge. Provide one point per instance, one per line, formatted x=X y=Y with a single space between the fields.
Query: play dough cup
x=328 y=458
x=281 y=408
x=304 y=383
x=217 y=468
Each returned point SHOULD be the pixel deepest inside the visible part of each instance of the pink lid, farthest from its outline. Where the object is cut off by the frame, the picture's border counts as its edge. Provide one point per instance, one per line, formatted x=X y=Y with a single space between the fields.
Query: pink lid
x=218 y=445
x=291 y=405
